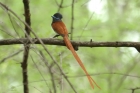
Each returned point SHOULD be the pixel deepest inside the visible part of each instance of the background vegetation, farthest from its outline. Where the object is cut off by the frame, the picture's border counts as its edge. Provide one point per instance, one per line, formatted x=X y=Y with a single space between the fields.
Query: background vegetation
x=115 y=70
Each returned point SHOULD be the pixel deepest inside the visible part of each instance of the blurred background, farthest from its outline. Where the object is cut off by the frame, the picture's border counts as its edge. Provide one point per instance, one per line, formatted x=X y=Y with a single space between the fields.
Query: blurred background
x=115 y=70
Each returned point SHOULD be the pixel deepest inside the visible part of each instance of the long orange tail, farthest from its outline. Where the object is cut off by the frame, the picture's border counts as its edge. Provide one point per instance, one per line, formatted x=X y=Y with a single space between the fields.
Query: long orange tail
x=69 y=46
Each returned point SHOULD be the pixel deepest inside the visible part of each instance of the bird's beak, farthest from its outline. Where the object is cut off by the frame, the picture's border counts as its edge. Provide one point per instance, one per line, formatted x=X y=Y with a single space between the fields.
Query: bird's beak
x=55 y=17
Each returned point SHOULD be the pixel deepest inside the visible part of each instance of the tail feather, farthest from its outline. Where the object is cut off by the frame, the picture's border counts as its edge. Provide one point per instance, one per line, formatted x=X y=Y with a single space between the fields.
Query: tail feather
x=70 y=47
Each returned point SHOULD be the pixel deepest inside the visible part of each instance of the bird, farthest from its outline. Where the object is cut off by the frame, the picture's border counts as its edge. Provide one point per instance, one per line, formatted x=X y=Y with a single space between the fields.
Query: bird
x=60 y=28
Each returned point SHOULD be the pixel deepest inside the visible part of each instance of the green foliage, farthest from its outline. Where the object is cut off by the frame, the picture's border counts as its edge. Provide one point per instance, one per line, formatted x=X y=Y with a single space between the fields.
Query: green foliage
x=115 y=70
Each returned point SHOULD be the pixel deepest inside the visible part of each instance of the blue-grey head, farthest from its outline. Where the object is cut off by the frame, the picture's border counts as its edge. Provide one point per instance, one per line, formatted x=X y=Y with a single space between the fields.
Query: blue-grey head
x=57 y=17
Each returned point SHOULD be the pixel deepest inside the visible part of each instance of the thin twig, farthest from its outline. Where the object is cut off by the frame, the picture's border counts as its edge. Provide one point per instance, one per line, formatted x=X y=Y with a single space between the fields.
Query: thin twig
x=127 y=72
x=133 y=89
x=105 y=73
x=50 y=70
x=13 y=24
x=11 y=55
x=86 y=25
x=60 y=5
x=72 y=19
x=61 y=77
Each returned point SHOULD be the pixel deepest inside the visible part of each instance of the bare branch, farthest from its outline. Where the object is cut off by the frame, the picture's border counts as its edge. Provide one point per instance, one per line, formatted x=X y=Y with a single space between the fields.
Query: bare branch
x=52 y=41
x=24 y=64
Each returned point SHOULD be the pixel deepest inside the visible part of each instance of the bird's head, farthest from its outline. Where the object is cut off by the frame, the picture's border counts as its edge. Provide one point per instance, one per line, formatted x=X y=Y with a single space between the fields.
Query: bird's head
x=57 y=17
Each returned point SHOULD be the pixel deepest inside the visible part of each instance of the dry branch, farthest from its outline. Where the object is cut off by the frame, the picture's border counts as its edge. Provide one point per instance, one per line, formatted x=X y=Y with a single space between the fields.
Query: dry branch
x=24 y=64
x=52 y=41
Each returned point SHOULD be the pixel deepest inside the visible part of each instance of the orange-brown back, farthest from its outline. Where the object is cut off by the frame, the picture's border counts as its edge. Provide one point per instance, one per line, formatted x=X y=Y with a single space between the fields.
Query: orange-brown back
x=60 y=28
